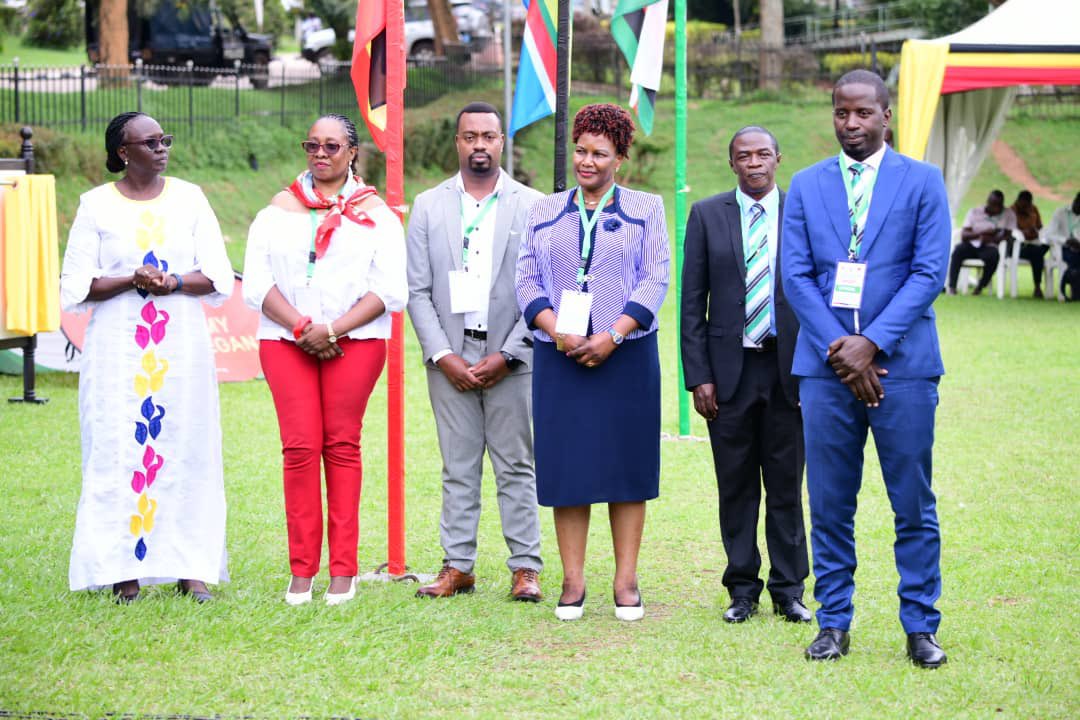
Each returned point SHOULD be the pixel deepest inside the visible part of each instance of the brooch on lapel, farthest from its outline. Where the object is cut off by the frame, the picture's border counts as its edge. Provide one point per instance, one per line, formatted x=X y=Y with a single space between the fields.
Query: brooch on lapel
x=612 y=224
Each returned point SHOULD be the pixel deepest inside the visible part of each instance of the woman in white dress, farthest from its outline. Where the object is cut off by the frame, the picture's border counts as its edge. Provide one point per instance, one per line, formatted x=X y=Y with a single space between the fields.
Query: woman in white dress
x=142 y=254
x=325 y=265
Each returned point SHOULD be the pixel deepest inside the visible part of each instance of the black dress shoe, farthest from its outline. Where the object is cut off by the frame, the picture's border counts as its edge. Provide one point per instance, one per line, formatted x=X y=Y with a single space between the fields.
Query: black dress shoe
x=830 y=644
x=792 y=609
x=740 y=610
x=201 y=596
x=123 y=595
x=924 y=650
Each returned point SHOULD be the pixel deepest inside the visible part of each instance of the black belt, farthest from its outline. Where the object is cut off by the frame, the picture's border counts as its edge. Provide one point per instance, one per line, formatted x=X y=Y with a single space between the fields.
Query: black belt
x=476 y=334
x=767 y=345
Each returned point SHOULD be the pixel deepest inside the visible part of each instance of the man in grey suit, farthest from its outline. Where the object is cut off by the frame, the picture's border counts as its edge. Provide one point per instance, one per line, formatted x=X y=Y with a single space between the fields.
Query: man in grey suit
x=463 y=244
x=738 y=336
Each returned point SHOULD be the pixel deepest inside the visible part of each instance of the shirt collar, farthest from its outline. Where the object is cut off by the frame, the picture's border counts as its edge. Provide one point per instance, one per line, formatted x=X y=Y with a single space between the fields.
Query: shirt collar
x=771 y=201
x=874 y=161
x=460 y=184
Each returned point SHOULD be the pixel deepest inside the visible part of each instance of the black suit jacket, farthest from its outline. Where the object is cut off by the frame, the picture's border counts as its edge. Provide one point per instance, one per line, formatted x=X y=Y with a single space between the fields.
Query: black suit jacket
x=714 y=298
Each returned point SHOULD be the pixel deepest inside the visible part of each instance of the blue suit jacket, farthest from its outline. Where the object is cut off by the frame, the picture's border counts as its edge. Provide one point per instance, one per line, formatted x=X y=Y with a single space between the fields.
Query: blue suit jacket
x=906 y=250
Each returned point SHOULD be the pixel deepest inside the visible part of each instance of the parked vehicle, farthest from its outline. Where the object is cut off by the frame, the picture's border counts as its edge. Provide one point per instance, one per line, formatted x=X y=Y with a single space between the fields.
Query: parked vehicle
x=474 y=27
x=173 y=34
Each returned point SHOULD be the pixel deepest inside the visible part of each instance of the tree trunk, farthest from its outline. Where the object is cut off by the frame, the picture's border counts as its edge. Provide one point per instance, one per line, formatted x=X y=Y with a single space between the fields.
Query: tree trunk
x=771 y=67
x=447 y=41
x=113 y=32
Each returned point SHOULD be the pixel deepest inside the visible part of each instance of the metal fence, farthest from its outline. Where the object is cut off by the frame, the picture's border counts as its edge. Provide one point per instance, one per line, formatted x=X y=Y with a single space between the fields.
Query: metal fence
x=87 y=97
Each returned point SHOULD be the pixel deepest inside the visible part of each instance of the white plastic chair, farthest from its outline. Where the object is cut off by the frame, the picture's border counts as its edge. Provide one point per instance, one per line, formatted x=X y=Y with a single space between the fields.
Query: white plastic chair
x=1011 y=264
x=967 y=279
x=1054 y=269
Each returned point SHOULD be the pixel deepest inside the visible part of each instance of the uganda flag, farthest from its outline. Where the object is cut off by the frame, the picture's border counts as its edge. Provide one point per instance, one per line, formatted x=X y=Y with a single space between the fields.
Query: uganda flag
x=638 y=27
x=369 y=66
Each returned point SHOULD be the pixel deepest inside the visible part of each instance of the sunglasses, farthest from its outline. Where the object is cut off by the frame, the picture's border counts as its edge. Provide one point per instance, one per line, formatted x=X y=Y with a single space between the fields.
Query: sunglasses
x=151 y=144
x=330 y=148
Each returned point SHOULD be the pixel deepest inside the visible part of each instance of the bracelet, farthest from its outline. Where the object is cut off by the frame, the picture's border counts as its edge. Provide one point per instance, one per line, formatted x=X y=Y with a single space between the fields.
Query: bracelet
x=298 y=328
x=179 y=282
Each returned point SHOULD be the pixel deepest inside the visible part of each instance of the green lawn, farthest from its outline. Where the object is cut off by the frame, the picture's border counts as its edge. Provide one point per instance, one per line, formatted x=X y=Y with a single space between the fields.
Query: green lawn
x=15 y=46
x=1007 y=499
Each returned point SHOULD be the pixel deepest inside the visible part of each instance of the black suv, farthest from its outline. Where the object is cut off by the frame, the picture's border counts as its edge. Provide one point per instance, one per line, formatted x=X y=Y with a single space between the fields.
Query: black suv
x=199 y=32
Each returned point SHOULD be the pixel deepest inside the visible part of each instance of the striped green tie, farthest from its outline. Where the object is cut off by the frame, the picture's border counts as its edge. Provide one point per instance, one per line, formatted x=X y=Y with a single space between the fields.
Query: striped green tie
x=756 y=327
x=860 y=187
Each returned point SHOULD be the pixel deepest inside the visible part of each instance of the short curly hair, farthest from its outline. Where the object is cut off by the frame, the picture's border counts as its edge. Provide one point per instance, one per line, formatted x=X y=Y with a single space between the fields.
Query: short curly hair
x=608 y=120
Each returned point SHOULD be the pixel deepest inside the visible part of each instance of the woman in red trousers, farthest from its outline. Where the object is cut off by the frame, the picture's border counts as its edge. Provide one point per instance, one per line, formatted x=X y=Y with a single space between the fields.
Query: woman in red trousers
x=325 y=265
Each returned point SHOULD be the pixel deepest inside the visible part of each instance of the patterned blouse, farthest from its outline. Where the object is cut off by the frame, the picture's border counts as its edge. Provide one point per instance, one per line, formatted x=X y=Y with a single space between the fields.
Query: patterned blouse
x=628 y=269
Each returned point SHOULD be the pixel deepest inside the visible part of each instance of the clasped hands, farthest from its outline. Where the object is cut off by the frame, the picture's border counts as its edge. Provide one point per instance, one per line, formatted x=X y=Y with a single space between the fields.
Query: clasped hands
x=315 y=340
x=588 y=351
x=153 y=281
x=486 y=373
x=852 y=359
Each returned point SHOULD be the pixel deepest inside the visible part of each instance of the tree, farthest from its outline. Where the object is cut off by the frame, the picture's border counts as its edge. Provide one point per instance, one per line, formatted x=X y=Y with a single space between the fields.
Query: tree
x=771 y=67
x=446 y=30
x=942 y=17
x=113 y=32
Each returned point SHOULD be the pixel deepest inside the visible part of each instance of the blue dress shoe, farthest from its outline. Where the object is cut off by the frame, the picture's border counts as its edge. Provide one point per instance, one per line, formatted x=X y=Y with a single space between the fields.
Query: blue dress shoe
x=792 y=609
x=740 y=610
x=830 y=644
x=924 y=650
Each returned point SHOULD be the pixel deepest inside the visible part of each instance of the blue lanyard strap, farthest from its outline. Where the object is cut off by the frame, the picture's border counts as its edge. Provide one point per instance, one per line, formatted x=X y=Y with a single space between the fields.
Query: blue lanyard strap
x=587 y=225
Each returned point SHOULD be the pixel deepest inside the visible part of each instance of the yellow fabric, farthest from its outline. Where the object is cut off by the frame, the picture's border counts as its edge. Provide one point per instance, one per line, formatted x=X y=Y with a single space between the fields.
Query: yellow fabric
x=922 y=70
x=1015 y=60
x=31 y=256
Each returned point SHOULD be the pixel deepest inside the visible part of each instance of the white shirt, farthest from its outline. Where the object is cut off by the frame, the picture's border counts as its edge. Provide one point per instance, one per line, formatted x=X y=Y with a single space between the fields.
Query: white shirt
x=771 y=203
x=1063 y=225
x=358 y=260
x=873 y=163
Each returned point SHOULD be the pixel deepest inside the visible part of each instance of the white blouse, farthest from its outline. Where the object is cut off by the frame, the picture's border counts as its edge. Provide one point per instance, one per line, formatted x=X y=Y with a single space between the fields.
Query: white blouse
x=358 y=260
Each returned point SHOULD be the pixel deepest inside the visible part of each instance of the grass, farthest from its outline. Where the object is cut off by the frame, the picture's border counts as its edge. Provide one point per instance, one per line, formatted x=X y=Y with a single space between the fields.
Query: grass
x=15 y=46
x=1007 y=495
x=1007 y=498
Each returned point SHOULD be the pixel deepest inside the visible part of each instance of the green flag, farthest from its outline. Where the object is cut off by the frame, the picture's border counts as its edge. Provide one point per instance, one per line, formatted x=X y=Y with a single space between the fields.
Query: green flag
x=638 y=27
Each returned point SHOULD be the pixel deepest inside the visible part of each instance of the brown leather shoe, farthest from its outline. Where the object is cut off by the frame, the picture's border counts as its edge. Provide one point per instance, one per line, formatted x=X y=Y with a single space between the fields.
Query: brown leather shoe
x=526 y=585
x=449 y=581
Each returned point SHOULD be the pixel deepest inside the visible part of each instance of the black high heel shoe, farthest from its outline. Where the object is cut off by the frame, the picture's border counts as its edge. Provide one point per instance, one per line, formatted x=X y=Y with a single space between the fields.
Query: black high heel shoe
x=201 y=596
x=125 y=598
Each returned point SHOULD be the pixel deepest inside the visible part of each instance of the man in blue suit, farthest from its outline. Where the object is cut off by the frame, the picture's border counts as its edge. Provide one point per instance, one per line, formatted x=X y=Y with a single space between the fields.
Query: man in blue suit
x=866 y=249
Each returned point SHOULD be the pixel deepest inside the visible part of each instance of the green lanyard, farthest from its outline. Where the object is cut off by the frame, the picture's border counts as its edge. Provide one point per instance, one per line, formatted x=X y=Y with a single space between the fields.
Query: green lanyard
x=311 y=252
x=472 y=226
x=844 y=172
x=587 y=225
x=1069 y=223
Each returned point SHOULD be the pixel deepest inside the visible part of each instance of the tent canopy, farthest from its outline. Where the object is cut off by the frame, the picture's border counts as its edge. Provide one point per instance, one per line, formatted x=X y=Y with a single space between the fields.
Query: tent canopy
x=956 y=90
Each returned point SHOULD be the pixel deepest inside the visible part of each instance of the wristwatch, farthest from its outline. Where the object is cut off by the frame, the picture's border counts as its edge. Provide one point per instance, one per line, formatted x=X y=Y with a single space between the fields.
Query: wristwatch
x=330 y=334
x=511 y=361
x=616 y=336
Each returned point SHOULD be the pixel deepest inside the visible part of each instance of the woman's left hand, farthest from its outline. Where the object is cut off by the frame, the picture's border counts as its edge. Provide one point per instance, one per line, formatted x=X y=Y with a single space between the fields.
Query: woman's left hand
x=594 y=351
x=315 y=340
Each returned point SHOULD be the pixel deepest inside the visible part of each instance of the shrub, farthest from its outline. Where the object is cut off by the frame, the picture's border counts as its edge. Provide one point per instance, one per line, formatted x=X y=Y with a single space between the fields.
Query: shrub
x=836 y=64
x=55 y=23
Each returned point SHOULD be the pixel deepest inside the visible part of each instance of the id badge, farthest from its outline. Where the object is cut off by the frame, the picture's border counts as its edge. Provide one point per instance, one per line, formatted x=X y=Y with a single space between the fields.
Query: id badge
x=848 y=288
x=574 y=308
x=466 y=292
x=309 y=302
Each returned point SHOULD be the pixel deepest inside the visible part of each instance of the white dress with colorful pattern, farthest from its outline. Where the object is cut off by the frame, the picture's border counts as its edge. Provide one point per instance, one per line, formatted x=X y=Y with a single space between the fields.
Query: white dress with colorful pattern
x=153 y=498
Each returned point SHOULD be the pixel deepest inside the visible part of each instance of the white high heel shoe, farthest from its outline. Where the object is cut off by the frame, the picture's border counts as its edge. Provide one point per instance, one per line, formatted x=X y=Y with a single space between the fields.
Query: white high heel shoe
x=300 y=598
x=338 y=598
x=571 y=611
x=630 y=613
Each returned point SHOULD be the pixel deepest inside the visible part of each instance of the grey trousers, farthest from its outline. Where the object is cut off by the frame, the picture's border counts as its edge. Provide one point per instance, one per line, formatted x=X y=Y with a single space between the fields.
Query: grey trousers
x=499 y=420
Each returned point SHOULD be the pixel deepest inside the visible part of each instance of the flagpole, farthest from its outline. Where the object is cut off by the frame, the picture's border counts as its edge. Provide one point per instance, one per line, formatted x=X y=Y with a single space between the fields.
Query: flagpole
x=562 y=94
x=395 y=377
x=681 y=190
x=508 y=83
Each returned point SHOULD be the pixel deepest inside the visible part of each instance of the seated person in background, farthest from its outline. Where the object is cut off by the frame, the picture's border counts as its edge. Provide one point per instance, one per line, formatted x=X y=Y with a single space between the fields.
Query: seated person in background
x=1064 y=231
x=1029 y=222
x=984 y=227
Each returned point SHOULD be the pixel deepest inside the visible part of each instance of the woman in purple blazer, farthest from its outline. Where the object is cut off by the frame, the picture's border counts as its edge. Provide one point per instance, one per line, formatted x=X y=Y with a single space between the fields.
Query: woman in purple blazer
x=591 y=276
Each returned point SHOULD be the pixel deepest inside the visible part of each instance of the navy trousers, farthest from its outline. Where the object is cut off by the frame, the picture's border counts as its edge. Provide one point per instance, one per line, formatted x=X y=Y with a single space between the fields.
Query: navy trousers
x=835 y=426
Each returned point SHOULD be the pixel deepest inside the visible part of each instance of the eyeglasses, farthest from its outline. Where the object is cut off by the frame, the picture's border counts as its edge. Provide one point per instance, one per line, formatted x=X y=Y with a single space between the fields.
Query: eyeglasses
x=151 y=144
x=489 y=137
x=330 y=148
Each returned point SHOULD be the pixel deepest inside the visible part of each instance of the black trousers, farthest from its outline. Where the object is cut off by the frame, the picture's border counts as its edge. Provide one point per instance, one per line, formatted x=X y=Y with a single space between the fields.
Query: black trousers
x=966 y=251
x=757 y=440
x=1034 y=254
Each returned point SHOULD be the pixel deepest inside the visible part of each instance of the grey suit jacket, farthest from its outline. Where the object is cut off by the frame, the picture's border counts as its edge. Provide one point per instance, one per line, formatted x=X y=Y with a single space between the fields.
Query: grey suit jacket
x=434 y=248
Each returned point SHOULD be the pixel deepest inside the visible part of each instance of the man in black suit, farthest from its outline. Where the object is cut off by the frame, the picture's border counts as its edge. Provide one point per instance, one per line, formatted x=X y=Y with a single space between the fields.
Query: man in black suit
x=738 y=337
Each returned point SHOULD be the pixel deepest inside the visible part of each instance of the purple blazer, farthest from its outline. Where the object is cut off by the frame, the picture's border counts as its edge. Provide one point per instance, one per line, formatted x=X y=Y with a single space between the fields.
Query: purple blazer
x=629 y=266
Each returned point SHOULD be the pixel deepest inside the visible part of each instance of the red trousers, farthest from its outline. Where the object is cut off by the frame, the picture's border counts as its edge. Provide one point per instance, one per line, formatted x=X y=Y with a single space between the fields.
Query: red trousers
x=320 y=407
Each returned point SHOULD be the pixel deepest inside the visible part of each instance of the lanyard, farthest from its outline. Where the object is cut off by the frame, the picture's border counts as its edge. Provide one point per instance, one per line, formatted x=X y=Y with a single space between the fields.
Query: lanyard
x=472 y=226
x=1070 y=223
x=311 y=252
x=853 y=248
x=587 y=225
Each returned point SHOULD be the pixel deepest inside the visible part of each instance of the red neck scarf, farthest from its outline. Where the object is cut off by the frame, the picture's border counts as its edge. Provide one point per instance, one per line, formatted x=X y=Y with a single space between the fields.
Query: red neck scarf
x=346 y=204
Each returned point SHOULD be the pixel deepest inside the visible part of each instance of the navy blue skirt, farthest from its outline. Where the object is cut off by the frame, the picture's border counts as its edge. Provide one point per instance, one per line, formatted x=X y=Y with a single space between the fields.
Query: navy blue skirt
x=597 y=430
